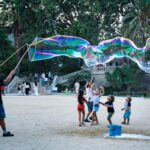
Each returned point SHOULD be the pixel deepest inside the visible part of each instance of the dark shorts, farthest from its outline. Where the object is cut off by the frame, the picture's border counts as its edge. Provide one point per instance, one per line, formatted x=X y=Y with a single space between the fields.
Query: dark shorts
x=110 y=114
x=2 y=112
x=90 y=106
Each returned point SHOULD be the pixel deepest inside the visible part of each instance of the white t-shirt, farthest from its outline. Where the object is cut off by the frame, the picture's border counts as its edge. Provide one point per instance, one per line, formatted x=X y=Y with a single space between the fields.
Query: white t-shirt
x=95 y=99
x=27 y=86
x=89 y=93
x=77 y=85
x=46 y=79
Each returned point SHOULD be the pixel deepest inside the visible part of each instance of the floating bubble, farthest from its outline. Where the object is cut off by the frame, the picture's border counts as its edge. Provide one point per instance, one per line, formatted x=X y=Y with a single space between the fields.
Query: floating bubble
x=104 y=52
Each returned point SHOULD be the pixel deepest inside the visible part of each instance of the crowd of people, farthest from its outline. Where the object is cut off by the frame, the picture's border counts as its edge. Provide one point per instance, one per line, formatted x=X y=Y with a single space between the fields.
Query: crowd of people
x=91 y=96
x=25 y=88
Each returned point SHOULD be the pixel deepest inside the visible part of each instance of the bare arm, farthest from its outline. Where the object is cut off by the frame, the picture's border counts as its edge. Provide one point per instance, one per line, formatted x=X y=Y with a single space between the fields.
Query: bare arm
x=9 y=77
x=85 y=100
x=102 y=91
x=102 y=103
x=90 y=83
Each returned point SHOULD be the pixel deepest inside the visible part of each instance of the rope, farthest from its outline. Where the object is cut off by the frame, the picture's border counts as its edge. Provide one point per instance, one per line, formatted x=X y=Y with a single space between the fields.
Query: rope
x=21 y=59
x=12 y=55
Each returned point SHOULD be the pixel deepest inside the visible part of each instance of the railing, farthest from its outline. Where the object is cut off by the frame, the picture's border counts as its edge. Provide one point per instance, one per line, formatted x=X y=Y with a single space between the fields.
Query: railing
x=102 y=70
x=12 y=84
x=54 y=81
x=134 y=94
x=94 y=70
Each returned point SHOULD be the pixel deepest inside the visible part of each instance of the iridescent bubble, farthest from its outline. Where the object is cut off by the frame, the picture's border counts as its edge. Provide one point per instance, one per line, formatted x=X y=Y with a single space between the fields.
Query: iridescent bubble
x=104 y=52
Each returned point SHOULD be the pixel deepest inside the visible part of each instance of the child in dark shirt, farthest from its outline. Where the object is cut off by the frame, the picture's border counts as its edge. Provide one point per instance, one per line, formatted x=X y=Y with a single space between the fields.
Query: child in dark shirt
x=110 y=107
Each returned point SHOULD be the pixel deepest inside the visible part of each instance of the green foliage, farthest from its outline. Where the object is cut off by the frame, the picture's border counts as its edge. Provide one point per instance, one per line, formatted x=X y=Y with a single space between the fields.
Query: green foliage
x=136 y=24
x=92 y=20
x=81 y=77
x=61 y=87
x=69 y=65
x=5 y=51
x=126 y=78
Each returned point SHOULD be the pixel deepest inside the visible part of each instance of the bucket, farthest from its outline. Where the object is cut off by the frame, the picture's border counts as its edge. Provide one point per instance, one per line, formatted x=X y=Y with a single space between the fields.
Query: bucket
x=115 y=130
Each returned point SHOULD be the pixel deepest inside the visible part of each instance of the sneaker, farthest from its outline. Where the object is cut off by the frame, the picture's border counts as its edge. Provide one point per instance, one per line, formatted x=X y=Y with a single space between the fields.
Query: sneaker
x=123 y=123
x=94 y=124
x=80 y=125
x=90 y=118
x=7 y=134
x=86 y=120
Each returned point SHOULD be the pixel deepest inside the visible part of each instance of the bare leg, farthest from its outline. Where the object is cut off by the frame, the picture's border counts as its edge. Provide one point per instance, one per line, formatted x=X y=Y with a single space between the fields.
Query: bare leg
x=83 y=116
x=109 y=120
x=128 y=120
x=96 y=119
x=124 y=121
x=88 y=114
x=3 y=125
x=93 y=116
x=79 y=118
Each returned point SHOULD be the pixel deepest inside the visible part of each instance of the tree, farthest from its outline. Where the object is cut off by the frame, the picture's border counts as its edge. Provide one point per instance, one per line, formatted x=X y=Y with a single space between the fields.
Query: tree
x=136 y=21
x=81 y=77
x=6 y=50
x=126 y=78
x=92 y=20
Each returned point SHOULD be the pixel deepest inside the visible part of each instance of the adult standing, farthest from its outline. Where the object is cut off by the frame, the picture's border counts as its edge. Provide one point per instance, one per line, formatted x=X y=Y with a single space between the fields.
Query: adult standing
x=35 y=88
x=27 y=88
x=19 y=89
x=77 y=87
x=23 y=87
x=2 y=110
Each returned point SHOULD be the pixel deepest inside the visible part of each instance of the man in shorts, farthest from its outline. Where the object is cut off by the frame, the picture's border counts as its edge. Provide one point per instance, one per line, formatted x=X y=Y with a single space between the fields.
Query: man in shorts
x=2 y=110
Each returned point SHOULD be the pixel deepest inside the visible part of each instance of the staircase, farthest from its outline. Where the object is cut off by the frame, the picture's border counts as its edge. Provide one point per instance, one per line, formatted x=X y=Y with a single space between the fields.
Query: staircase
x=97 y=72
x=13 y=85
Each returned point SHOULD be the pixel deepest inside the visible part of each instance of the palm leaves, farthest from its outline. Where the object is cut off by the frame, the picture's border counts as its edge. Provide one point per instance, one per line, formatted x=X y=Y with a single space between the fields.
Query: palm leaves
x=136 y=22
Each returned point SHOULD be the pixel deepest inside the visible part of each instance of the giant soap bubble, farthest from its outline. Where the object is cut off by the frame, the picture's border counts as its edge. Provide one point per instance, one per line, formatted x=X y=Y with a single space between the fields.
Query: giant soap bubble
x=104 y=52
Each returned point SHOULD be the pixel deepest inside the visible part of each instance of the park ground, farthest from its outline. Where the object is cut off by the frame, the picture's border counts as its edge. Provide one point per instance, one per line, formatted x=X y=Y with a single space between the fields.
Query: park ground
x=51 y=123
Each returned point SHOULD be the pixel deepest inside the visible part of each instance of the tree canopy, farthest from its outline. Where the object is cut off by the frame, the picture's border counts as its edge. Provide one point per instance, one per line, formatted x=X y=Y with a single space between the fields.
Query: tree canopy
x=92 y=20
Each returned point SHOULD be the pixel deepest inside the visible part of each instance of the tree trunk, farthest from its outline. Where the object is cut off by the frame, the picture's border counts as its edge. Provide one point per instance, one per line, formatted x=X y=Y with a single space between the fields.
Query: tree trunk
x=17 y=36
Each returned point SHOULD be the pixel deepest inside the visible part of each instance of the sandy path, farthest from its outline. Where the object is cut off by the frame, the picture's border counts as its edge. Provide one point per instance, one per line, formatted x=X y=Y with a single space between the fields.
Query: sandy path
x=50 y=122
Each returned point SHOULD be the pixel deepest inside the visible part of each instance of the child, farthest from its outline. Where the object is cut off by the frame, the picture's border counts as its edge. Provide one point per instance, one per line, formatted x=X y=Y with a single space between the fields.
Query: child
x=81 y=108
x=19 y=89
x=96 y=98
x=89 y=102
x=110 y=108
x=127 y=109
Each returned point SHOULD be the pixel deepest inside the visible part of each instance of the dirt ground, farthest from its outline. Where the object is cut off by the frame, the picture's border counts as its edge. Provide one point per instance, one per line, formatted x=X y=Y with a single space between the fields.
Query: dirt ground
x=51 y=122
